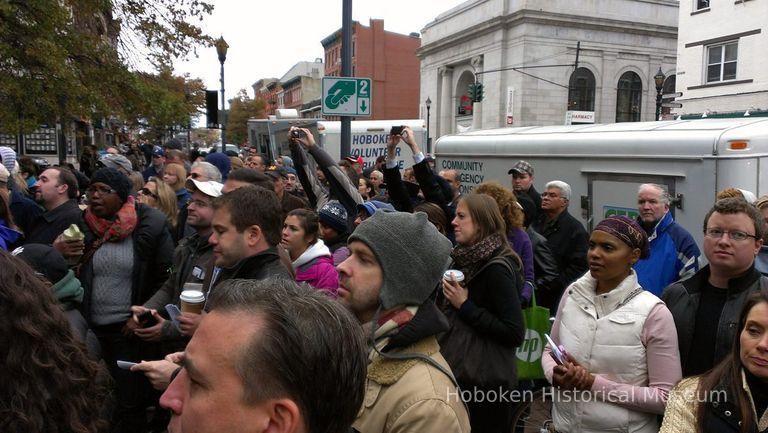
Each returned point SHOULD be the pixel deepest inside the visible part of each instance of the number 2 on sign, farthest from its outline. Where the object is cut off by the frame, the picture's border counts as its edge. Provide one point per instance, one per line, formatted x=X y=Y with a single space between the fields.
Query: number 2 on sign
x=363 y=91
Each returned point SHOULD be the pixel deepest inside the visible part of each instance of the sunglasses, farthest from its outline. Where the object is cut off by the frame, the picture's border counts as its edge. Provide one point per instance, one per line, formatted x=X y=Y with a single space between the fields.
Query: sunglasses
x=146 y=191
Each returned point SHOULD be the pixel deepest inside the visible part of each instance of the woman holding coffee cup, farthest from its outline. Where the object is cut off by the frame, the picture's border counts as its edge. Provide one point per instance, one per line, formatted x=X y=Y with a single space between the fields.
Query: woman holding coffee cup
x=482 y=303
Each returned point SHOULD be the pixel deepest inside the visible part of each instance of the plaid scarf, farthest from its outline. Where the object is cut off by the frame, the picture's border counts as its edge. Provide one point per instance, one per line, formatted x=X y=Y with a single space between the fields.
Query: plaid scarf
x=470 y=258
x=113 y=230
x=389 y=324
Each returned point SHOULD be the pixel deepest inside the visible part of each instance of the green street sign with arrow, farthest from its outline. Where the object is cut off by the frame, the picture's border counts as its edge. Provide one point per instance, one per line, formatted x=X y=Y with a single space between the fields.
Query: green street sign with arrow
x=346 y=96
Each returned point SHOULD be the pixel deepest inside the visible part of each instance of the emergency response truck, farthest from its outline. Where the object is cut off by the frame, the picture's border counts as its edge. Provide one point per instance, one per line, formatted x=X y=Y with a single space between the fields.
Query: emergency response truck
x=605 y=164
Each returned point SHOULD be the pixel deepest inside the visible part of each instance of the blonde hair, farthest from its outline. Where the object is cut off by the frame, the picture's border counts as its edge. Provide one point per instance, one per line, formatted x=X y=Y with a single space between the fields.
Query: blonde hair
x=236 y=162
x=181 y=175
x=166 y=200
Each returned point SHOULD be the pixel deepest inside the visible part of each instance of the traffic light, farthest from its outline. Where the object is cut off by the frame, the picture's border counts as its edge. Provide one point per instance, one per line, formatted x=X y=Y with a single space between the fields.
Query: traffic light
x=479 y=92
x=212 y=108
x=476 y=92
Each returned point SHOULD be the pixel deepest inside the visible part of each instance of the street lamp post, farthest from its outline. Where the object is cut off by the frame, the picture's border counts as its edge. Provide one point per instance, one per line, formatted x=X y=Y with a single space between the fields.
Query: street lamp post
x=428 y=104
x=659 y=81
x=221 y=50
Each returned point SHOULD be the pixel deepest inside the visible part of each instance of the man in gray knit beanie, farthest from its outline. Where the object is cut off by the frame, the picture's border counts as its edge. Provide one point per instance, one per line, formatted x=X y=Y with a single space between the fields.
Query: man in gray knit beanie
x=411 y=252
x=396 y=261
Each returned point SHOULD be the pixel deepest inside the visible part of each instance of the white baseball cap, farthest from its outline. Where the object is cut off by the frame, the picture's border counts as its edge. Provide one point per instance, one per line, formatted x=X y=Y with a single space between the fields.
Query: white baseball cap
x=210 y=188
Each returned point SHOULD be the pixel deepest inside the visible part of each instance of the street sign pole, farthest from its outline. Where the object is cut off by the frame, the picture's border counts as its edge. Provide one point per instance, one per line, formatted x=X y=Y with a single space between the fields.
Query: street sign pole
x=346 y=71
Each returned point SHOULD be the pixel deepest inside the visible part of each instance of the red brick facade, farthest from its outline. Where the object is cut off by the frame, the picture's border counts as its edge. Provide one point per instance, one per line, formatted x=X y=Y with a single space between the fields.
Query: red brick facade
x=389 y=60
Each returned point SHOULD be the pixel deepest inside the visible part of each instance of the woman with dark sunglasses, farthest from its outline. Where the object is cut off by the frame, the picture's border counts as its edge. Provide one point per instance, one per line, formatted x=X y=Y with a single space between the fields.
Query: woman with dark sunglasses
x=159 y=195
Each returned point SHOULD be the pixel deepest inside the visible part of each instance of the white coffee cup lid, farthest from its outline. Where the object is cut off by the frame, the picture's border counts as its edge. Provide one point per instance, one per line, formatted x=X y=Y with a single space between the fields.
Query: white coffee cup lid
x=453 y=275
x=192 y=296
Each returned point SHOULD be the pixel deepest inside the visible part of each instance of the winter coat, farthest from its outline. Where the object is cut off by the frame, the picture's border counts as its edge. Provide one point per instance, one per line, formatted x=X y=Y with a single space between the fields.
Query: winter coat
x=412 y=394
x=261 y=266
x=338 y=247
x=315 y=267
x=674 y=256
x=152 y=257
x=191 y=259
x=8 y=236
x=520 y=242
x=604 y=333
x=720 y=415
x=568 y=240
x=545 y=269
x=682 y=299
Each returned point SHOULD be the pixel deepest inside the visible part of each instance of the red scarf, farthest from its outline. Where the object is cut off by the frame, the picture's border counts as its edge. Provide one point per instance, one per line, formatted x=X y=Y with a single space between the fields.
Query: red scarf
x=113 y=230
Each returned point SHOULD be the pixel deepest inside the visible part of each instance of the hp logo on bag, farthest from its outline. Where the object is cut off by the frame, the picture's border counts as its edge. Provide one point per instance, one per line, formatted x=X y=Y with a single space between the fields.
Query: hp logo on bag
x=532 y=347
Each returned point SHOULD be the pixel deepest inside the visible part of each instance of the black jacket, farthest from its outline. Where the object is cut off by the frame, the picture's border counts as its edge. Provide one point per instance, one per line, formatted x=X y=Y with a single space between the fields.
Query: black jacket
x=682 y=299
x=568 y=240
x=152 y=257
x=546 y=271
x=721 y=414
x=261 y=266
x=46 y=227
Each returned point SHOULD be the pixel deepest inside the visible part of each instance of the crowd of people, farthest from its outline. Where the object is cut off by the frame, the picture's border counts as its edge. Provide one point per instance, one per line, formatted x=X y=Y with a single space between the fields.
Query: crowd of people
x=337 y=297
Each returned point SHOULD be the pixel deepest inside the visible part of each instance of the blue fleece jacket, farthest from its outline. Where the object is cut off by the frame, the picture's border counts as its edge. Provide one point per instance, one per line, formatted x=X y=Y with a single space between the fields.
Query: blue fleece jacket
x=674 y=256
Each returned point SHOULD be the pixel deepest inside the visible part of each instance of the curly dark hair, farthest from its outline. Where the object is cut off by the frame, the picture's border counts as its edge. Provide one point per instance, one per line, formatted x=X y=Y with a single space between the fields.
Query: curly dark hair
x=48 y=382
x=510 y=210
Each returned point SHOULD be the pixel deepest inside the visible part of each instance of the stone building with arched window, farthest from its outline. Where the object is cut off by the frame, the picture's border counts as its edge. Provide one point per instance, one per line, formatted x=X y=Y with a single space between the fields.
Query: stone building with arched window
x=524 y=53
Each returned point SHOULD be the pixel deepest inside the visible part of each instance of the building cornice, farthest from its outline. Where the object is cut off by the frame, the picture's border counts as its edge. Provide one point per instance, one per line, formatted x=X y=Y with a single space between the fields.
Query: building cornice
x=548 y=19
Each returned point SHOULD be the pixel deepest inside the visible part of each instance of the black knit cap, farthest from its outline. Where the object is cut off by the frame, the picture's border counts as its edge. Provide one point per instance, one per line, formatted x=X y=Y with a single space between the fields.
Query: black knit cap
x=116 y=180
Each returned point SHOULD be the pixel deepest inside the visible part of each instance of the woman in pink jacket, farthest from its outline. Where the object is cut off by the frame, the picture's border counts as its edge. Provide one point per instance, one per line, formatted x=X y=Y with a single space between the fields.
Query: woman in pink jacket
x=312 y=260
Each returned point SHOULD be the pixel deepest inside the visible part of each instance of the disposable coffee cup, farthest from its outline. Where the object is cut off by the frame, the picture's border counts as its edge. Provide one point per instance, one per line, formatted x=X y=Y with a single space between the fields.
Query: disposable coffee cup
x=454 y=275
x=192 y=301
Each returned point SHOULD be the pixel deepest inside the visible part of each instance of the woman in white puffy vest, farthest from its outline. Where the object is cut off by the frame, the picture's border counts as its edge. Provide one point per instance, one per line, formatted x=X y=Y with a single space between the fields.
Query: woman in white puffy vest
x=622 y=356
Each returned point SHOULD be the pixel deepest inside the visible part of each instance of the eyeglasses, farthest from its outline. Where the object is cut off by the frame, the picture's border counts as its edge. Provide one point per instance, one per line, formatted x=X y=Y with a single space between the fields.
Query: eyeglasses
x=101 y=191
x=550 y=195
x=194 y=175
x=146 y=191
x=734 y=235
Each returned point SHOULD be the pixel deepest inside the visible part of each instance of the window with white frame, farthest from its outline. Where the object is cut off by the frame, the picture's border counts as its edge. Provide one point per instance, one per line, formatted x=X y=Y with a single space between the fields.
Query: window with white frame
x=721 y=61
x=701 y=4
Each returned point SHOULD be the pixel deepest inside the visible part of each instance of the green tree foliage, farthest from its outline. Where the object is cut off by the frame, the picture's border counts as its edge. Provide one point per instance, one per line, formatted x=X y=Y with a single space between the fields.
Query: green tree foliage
x=242 y=108
x=163 y=102
x=72 y=58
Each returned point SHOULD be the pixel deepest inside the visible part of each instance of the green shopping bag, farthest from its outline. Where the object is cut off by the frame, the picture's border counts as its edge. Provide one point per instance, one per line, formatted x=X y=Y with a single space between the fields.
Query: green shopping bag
x=529 y=353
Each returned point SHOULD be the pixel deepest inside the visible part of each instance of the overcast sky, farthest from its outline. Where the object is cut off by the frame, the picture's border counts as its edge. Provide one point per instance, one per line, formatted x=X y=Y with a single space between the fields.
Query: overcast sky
x=266 y=38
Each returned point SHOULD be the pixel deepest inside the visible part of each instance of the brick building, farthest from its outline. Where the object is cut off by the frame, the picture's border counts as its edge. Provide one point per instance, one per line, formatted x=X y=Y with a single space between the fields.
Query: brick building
x=389 y=60
x=267 y=90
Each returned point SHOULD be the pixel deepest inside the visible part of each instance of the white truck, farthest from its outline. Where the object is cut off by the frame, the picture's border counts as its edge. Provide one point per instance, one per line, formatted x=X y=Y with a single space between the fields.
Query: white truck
x=369 y=137
x=605 y=164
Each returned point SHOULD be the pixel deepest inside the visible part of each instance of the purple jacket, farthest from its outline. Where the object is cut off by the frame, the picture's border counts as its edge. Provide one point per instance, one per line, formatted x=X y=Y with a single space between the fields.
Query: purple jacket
x=315 y=267
x=521 y=244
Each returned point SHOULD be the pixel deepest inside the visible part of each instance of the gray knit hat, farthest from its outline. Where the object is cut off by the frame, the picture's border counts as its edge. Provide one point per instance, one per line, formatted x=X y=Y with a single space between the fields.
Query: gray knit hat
x=411 y=252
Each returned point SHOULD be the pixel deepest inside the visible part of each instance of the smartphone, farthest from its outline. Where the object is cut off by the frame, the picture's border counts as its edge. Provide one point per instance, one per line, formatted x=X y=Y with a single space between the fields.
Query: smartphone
x=396 y=130
x=126 y=365
x=558 y=353
x=173 y=313
x=146 y=319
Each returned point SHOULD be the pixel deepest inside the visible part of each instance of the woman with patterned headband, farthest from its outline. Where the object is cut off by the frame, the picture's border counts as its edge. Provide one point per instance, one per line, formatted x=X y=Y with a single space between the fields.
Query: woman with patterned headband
x=620 y=355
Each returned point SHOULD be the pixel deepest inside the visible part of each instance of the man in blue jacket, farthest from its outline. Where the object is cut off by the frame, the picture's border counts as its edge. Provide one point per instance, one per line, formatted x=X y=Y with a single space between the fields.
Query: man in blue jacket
x=674 y=253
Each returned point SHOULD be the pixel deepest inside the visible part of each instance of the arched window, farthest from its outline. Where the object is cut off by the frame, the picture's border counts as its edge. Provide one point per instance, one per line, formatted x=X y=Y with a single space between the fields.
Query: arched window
x=629 y=98
x=581 y=90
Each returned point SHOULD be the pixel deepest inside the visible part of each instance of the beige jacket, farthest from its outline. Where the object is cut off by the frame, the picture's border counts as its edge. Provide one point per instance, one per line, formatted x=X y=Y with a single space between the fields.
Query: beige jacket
x=411 y=395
